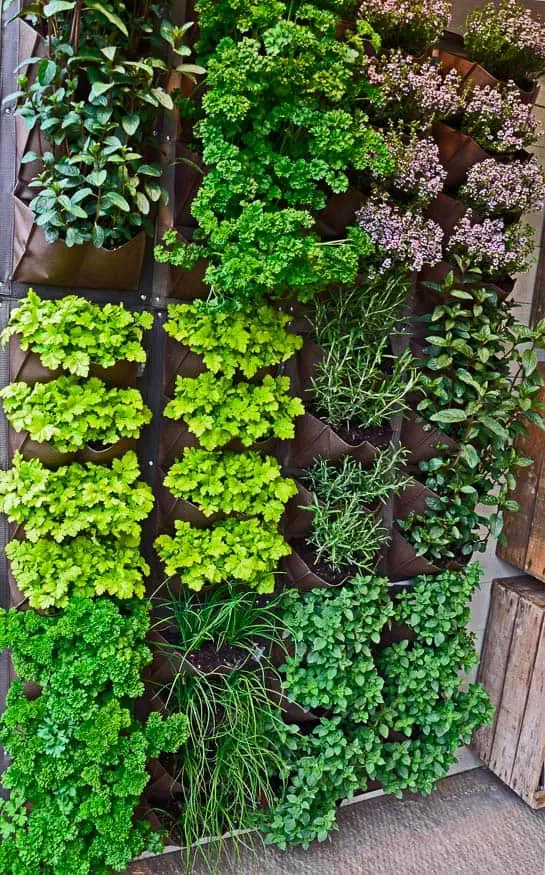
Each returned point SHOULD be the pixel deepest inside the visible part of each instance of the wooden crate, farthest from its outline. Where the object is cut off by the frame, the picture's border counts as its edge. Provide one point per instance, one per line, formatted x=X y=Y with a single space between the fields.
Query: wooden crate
x=525 y=546
x=513 y=671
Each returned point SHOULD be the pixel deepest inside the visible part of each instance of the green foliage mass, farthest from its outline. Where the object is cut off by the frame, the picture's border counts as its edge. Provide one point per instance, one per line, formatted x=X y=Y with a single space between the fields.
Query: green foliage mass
x=69 y=413
x=76 y=499
x=236 y=551
x=72 y=333
x=498 y=37
x=333 y=631
x=244 y=341
x=480 y=385
x=217 y=410
x=51 y=574
x=223 y=482
x=284 y=121
x=78 y=756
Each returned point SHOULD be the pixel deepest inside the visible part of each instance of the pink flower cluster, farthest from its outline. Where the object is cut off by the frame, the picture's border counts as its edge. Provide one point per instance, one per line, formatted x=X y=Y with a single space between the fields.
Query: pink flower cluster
x=414 y=89
x=430 y=15
x=493 y=188
x=491 y=247
x=401 y=236
x=515 y=24
x=498 y=119
x=419 y=172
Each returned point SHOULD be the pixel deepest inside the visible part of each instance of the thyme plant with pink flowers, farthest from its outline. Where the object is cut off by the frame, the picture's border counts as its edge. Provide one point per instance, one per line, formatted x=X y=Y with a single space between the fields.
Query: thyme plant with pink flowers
x=401 y=235
x=507 y=41
x=412 y=25
x=496 y=189
x=498 y=120
x=419 y=175
x=492 y=247
x=411 y=90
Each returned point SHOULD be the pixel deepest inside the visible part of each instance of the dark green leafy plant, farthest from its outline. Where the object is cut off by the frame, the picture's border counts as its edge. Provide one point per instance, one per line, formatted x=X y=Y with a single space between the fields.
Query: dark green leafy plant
x=480 y=385
x=333 y=482
x=223 y=482
x=78 y=756
x=95 y=98
x=333 y=631
x=69 y=413
x=217 y=410
x=228 y=342
x=72 y=333
x=284 y=123
x=50 y=574
x=237 y=551
x=76 y=499
x=320 y=769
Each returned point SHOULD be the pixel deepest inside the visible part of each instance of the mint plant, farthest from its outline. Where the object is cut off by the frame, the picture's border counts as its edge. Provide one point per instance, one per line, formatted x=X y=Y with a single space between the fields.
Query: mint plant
x=244 y=341
x=69 y=413
x=223 y=482
x=76 y=499
x=235 y=551
x=480 y=385
x=217 y=410
x=50 y=574
x=72 y=333
x=78 y=756
x=333 y=631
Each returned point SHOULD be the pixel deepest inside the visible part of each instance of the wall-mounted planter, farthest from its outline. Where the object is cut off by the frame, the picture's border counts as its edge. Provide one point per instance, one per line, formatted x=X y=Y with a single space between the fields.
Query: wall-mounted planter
x=297 y=520
x=22 y=442
x=179 y=361
x=188 y=285
x=447 y=212
x=339 y=213
x=315 y=439
x=170 y=509
x=427 y=299
x=472 y=72
x=401 y=561
x=302 y=575
x=102 y=455
x=422 y=444
x=457 y=152
x=27 y=367
x=37 y=261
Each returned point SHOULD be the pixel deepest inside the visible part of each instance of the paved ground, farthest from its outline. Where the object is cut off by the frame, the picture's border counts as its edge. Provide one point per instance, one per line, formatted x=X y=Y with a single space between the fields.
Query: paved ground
x=472 y=825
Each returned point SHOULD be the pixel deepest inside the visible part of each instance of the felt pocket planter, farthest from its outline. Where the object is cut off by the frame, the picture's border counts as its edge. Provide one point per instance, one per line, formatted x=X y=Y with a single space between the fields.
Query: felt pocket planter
x=27 y=367
x=84 y=266
x=297 y=520
x=188 y=285
x=401 y=561
x=472 y=73
x=304 y=575
x=179 y=361
x=293 y=713
x=102 y=455
x=170 y=509
x=339 y=213
x=162 y=785
x=176 y=436
x=427 y=299
x=315 y=439
x=458 y=152
x=52 y=458
x=422 y=443
x=447 y=212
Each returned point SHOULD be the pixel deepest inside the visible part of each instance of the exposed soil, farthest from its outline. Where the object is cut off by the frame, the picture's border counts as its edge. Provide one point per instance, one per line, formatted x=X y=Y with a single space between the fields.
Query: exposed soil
x=322 y=569
x=208 y=659
x=379 y=436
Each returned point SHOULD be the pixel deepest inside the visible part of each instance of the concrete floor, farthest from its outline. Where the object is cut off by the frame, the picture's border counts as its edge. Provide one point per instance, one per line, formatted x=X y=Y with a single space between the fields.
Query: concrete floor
x=472 y=825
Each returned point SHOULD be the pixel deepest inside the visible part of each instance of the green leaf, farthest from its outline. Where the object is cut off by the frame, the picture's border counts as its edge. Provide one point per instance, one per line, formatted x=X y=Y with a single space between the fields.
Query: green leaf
x=449 y=415
x=130 y=123
x=56 y=6
x=495 y=427
x=99 y=88
x=470 y=455
x=110 y=16
x=46 y=72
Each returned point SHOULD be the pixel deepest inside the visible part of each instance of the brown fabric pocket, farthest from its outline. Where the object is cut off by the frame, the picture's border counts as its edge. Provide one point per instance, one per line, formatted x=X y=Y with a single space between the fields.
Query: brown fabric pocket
x=37 y=261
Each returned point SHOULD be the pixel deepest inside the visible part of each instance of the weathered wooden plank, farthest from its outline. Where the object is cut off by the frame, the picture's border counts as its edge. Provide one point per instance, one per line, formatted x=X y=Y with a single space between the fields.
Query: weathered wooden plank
x=494 y=658
x=531 y=746
x=524 y=641
x=525 y=547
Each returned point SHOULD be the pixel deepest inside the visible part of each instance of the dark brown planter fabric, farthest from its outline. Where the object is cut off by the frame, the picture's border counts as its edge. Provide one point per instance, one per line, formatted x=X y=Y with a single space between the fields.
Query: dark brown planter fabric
x=179 y=361
x=30 y=45
x=401 y=562
x=36 y=261
x=107 y=454
x=426 y=299
x=457 y=152
x=21 y=441
x=188 y=285
x=26 y=367
x=170 y=509
x=314 y=439
x=301 y=575
x=297 y=519
x=472 y=72
x=339 y=213
x=421 y=443
x=447 y=212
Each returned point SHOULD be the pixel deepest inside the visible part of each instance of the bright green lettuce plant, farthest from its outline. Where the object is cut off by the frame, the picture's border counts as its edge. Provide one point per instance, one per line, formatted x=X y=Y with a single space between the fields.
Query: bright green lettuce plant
x=50 y=574
x=76 y=499
x=217 y=410
x=237 y=551
x=78 y=756
x=69 y=413
x=480 y=385
x=72 y=333
x=223 y=482
x=333 y=631
x=243 y=341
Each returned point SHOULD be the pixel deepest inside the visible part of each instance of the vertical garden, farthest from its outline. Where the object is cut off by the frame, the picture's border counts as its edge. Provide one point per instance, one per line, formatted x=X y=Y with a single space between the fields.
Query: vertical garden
x=243 y=508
